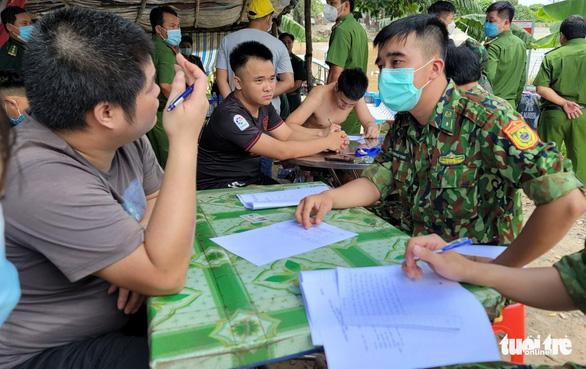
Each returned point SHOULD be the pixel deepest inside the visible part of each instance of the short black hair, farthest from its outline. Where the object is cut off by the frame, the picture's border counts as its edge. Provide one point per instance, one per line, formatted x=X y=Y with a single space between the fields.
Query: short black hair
x=8 y=15
x=429 y=30
x=573 y=27
x=353 y=83
x=505 y=10
x=462 y=65
x=285 y=34
x=11 y=83
x=440 y=7
x=246 y=50
x=187 y=39
x=156 y=16
x=74 y=61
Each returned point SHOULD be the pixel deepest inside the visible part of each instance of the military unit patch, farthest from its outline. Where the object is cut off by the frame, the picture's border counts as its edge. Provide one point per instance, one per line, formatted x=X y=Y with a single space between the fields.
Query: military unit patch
x=452 y=158
x=521 y=135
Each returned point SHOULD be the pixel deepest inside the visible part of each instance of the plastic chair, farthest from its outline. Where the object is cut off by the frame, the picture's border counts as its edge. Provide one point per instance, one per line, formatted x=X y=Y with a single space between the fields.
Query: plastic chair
x=512 y=323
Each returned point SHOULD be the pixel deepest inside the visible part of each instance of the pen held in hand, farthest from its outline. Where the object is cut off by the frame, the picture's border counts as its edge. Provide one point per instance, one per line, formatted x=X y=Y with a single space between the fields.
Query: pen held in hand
x=179 y=99
x=452 y=245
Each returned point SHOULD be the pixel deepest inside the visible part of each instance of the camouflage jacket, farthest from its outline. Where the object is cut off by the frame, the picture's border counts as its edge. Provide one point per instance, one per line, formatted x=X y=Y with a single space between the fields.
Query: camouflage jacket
x=459 y=174
x=572 y=269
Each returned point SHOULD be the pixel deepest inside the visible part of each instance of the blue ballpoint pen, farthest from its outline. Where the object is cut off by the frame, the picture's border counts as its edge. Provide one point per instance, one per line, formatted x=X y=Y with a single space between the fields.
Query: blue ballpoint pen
x=180 y=98
x=452 y=245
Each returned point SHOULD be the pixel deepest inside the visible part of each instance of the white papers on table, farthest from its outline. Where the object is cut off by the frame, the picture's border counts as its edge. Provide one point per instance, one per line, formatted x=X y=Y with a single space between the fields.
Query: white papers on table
x=281 y=240
x=368 y=346
x=386 y=296
x=357 y=138
x=481 y=250
x=278 y=199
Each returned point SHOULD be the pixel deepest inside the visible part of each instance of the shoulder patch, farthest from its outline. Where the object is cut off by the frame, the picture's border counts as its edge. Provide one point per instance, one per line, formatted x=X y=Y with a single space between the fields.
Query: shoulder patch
x=241 y=122
x=521 y=135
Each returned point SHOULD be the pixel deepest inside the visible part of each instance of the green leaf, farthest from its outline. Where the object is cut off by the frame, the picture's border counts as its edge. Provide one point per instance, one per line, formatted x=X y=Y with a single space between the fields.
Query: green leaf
x=293 y=266
x=541 y=14
x=281 y=278
x=563 y=9
x=555 y=27
x=288 y=25
x=473 y=25
x=548 y=41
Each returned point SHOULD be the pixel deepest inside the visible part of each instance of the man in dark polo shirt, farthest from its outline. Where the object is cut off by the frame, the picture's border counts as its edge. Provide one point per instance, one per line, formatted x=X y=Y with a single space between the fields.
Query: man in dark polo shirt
x=246 y=126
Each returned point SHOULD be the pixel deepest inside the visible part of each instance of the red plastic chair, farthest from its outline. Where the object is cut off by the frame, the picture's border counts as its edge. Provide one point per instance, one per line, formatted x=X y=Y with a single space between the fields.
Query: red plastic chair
x=512 y=323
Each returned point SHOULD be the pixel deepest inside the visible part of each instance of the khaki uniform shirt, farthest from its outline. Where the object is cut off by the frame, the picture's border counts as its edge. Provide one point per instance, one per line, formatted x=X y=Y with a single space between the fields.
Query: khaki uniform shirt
x=348 y=48
x=507 y=63
x=564 y=70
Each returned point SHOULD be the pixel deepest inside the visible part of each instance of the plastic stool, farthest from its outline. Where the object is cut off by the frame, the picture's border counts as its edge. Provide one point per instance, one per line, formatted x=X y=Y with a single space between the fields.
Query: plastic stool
x=512 y=323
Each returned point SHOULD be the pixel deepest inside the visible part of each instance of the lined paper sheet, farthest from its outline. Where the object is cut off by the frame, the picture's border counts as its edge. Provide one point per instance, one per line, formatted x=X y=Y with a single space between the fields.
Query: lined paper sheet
x=278 y=199
x=390 y=347
x=385 y=296
x=281 y=240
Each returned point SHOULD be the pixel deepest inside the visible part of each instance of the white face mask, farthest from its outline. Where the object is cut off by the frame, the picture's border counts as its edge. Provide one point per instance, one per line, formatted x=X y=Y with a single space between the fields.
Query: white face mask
x=331 y=12
x=451 y=27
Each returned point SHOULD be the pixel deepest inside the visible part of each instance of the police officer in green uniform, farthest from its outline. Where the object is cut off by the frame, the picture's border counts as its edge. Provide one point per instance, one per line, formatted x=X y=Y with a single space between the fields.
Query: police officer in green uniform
x=456 y=157
x=166 y=39
x=299 y=73
x=348 y=48
x=507 y=55
x=560 y=82
x=17 y=22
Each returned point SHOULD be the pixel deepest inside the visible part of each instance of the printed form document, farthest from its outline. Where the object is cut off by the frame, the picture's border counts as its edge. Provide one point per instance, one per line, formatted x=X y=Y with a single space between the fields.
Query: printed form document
x=278 y=199
x=281 y=240
x=458 y=333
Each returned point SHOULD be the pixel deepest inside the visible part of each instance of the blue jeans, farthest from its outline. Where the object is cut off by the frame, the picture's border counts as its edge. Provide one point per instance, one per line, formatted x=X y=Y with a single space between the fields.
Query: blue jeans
x=266 y=166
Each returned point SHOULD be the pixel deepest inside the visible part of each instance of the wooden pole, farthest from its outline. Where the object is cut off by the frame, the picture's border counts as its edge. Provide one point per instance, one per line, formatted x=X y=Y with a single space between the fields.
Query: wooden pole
x=308 y=45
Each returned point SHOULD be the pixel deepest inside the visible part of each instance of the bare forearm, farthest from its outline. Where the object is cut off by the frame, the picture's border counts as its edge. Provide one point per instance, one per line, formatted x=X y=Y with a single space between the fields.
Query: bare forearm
x=546 y=226
x=538 y=287
x=549 y=94
x=296 y=85
x=166 y=89
x=296 y=149
x=308 y=132
x=360 y=192
x=282 y=87
x=169 y=235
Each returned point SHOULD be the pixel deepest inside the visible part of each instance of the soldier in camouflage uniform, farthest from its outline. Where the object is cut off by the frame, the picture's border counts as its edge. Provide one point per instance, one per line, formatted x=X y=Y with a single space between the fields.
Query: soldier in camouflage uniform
x=561 y=287
x=457 y=163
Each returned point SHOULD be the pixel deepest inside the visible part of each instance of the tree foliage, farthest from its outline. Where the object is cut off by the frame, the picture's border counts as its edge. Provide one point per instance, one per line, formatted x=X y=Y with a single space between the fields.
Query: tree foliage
x=298 y=12
x=400 y=8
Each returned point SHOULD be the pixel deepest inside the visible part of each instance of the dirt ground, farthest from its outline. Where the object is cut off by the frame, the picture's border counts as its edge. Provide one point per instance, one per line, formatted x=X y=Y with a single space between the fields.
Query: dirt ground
x=571 y=325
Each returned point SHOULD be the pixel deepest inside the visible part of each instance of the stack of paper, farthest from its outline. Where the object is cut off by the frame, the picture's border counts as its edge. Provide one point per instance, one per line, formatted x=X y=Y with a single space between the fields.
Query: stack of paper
x=378 y=318
x=278 y=199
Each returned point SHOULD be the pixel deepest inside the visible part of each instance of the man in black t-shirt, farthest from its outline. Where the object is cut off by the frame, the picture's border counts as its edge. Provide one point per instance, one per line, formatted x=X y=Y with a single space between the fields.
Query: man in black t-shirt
x=233 y=141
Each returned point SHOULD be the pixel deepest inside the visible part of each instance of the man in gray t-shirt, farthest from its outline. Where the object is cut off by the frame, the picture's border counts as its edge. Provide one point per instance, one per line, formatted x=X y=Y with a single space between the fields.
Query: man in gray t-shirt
x=260 y=20
x=82 y=227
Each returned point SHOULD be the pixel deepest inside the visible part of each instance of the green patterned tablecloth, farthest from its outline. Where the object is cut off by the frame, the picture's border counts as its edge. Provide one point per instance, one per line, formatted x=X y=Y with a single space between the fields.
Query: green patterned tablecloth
x=232 y=313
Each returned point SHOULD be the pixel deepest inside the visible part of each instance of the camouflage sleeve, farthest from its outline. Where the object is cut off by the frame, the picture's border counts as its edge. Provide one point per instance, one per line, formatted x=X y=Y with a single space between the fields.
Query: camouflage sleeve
x=512 y=148
x=479 y=50
x=572 y=269
x=380 y=172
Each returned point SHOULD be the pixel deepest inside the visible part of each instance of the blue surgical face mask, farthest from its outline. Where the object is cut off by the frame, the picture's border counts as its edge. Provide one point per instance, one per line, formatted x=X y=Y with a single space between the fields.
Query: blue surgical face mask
x=396 y=88
x=491 y=29
x=16 y=121
x=25 y=33
x=173 y=37
x=10 y=291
